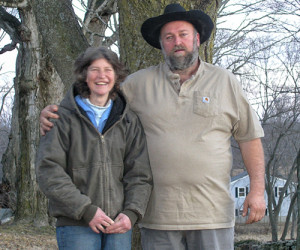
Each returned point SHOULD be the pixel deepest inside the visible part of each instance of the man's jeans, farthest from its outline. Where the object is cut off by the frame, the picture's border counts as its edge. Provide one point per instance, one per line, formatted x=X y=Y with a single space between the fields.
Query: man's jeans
x=206 y=239
x=80 y=238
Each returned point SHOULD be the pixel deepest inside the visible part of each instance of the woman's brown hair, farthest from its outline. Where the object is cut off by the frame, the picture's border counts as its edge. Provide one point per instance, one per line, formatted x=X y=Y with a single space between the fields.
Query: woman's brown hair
x=85 y=60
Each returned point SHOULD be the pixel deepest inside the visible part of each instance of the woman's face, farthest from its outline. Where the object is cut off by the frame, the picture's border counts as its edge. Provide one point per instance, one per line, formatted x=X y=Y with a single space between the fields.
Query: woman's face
x=100 y=80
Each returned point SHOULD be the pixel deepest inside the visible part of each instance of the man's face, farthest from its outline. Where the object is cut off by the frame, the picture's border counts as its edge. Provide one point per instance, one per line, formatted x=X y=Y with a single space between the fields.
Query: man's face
x=180 y=44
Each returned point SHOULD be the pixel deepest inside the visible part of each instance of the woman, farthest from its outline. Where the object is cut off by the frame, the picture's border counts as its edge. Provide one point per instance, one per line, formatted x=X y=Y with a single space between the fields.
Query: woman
x=93 y=165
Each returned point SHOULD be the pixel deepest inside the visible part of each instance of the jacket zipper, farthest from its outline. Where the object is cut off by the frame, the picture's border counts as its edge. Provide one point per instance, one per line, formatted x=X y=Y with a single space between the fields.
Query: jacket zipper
x=105 y=195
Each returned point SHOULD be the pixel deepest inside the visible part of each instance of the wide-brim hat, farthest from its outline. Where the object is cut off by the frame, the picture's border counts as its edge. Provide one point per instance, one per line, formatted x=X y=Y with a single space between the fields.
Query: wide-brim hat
x=175 y=12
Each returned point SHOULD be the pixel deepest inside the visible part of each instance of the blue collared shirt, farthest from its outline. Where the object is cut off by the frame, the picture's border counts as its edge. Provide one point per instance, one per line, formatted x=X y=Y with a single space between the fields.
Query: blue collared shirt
x=97 y=115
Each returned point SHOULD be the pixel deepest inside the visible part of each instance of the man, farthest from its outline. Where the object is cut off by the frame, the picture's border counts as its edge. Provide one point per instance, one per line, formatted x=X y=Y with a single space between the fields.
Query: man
x=189 y=110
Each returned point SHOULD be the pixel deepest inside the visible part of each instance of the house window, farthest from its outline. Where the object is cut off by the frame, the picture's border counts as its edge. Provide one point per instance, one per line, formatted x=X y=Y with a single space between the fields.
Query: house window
x=238 y=212
x=242 y=192
x=278 y=191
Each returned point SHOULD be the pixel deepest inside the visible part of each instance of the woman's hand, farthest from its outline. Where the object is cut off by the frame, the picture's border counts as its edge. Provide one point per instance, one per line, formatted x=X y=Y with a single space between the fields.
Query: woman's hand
x=100 y=221
x=122 y=225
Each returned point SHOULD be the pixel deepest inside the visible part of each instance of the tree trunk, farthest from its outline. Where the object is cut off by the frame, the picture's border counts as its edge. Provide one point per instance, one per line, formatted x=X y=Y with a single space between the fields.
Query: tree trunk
x=274 y=206
x=51 y=40
x=61 y=35
x=298 y=200
x=294 y=222
x=288 y=217
x=96 y=21
x=273 y=218
x=36 y=84
x=274 y=227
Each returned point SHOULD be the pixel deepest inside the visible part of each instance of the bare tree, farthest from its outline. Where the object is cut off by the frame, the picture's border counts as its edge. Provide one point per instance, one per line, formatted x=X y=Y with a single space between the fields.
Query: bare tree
x=298 y=201
x=5 y=118
x=280 y=106
x=262 y=49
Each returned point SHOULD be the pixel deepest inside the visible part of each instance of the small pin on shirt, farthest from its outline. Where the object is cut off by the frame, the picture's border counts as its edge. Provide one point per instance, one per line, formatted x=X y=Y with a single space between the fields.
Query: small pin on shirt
x=205 y=99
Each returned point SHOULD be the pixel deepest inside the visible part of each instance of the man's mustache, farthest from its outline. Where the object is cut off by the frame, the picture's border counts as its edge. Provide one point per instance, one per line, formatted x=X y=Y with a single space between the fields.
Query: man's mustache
x=178 y=47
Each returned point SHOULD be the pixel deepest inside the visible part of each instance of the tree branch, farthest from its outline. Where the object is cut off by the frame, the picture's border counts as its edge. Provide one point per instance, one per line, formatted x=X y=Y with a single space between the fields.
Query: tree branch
x=3 y=98
x=12 y=26
x=14 y=3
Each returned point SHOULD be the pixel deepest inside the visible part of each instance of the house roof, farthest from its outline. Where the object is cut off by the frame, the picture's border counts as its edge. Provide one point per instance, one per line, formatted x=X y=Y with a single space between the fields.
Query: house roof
x=239 y=176
x=245 y=173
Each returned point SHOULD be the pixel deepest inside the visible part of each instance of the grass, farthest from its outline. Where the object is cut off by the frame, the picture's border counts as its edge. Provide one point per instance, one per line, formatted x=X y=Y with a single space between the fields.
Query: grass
x=27 y=236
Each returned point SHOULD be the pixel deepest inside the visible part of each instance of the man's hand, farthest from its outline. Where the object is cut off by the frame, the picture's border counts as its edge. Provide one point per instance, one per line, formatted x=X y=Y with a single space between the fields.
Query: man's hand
x=122 y=225
x=257 y=206
x=253 y=156
x=100 y=221
x=46 y=114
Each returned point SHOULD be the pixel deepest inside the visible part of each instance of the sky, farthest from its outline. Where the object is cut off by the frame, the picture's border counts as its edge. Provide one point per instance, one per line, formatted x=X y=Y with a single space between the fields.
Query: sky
x=7 y=74
x=7 y=62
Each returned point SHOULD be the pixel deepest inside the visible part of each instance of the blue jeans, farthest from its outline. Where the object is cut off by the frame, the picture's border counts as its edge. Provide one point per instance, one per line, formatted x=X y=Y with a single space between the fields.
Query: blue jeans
x=80 y=238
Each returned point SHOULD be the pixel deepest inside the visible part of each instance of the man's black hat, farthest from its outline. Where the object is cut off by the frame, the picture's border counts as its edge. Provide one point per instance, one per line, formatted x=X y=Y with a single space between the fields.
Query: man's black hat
x=175 y=12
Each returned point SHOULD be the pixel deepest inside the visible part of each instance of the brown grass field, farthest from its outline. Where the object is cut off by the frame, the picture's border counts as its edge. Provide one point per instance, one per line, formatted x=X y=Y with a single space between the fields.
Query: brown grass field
x=25 y=236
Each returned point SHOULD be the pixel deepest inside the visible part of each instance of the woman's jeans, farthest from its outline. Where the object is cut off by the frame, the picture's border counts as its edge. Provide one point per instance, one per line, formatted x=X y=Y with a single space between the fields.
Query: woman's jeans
x=80 y=238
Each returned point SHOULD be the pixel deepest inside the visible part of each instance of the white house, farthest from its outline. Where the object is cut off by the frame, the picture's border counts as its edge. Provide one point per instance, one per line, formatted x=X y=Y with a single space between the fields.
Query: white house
x=240 y=186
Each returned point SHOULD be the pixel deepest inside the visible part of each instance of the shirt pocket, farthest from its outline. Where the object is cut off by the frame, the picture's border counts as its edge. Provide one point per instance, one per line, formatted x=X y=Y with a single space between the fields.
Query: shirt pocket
x=205 y=104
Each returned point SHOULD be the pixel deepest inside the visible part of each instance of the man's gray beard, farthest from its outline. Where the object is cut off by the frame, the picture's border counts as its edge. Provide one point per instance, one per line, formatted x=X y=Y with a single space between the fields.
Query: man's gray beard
x=183 y=62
